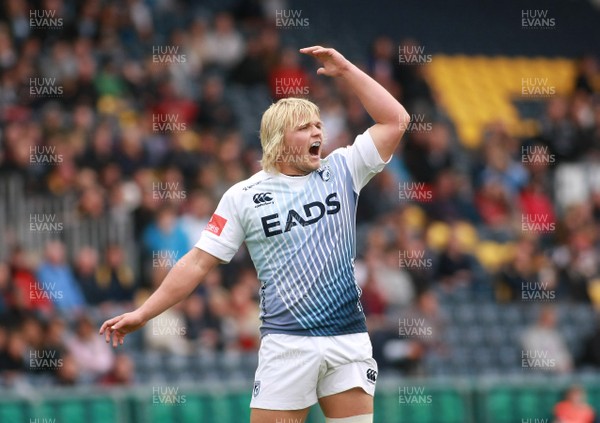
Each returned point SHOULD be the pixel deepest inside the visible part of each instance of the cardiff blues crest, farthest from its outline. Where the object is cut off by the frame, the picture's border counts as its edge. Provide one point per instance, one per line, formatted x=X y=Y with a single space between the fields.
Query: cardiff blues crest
x=325 y=173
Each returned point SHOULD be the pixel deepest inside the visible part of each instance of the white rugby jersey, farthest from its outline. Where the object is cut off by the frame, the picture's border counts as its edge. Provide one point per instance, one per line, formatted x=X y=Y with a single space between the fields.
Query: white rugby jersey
x=301 y=235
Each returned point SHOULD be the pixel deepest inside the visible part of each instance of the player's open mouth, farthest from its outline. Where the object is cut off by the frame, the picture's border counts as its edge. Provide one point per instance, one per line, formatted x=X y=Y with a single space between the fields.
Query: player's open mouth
x=314 y=148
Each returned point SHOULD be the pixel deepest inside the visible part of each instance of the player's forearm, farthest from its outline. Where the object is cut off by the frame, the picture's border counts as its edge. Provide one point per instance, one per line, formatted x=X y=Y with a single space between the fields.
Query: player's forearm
x=379 y=103
x=181 y=280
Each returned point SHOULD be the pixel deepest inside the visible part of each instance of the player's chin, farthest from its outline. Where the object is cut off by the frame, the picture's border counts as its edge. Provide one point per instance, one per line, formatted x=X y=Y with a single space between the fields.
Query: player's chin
x=314 y=162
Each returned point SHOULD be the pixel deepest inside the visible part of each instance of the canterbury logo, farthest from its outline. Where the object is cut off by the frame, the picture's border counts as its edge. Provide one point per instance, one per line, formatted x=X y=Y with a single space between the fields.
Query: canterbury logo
x=371 y=375
x=262 y=197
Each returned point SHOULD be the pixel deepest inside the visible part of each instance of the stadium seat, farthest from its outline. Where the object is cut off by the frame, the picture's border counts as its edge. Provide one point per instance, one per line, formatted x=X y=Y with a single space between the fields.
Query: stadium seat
x=460 y=80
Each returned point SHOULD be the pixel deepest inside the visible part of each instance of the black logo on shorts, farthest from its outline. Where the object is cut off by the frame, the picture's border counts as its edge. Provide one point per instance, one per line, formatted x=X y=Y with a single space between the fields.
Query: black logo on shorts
x=262 y=199
x=371 y=375
x=256 y=389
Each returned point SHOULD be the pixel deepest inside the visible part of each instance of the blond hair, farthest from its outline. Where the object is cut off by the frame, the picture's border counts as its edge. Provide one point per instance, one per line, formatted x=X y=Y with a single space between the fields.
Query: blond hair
x=286 y=114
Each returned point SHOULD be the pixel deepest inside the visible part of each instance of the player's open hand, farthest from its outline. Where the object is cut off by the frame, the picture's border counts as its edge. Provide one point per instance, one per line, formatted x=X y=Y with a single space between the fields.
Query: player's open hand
x=120 y=326
x=334 y=64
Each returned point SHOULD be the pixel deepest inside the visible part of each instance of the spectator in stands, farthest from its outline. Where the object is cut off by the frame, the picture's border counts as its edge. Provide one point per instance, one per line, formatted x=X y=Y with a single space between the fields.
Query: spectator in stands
x=115 y=277
x=591 y=348
x=382 y=62
x=411 y=335
x=494 y=205
x=586 y=72
x=287 y=78
x=55 y=277
x=244 y=311
x=251 y=70
x=131 y=154
x=534 y=201
x=67 y=374
x=519 y=269
x=165 y=235
x=5 y=287
x=32 y=331
x=122 y=372
x=546 y=345
x=13 y=351
x=393 y=282
x=143 y=215
x=216 y=112
x=574 y=408
x=559 y=132
x=451 y=199
x=224 y=45
x=500 y=167
x=56 y=332
x=86 y=265
x=577 y=264
x=455 y=266
x=92 y=356
x=409 y=70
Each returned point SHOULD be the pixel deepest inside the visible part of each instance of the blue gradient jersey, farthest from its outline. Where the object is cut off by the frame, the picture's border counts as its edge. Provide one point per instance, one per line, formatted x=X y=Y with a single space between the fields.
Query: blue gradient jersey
x=301 y=235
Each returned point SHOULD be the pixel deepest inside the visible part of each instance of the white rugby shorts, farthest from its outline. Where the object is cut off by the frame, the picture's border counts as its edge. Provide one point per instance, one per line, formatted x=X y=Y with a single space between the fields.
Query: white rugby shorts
x=295 y=371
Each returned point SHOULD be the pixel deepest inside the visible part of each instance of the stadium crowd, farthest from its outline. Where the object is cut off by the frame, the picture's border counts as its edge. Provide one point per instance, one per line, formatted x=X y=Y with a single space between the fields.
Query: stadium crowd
x=145 y=127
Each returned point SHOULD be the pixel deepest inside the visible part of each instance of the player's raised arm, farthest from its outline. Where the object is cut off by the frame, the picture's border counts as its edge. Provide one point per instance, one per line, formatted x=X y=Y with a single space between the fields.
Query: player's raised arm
x=181 y=280
x=389 y=115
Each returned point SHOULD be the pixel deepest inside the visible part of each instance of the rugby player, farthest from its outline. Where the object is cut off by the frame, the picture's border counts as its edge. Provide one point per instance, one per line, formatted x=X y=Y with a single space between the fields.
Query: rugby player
x=298 y=219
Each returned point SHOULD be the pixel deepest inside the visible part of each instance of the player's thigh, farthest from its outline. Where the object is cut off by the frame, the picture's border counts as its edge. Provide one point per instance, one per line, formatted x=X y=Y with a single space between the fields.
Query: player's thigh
x=353 y=402
x=258 y=415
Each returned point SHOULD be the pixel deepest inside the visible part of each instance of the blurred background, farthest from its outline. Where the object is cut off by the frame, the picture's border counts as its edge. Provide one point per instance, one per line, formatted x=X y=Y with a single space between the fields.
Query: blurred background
x=123 y=123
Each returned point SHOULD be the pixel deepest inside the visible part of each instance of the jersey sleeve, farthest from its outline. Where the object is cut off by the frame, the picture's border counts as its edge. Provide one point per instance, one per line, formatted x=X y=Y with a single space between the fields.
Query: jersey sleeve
x=224 y=232
x=363 y=160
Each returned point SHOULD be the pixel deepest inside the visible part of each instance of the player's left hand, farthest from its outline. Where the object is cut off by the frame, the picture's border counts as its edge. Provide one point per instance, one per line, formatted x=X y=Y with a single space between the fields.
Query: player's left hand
x=334 y=64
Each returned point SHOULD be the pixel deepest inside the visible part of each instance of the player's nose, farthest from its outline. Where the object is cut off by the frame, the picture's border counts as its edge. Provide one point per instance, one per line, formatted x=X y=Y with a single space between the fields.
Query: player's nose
x=316 y=131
